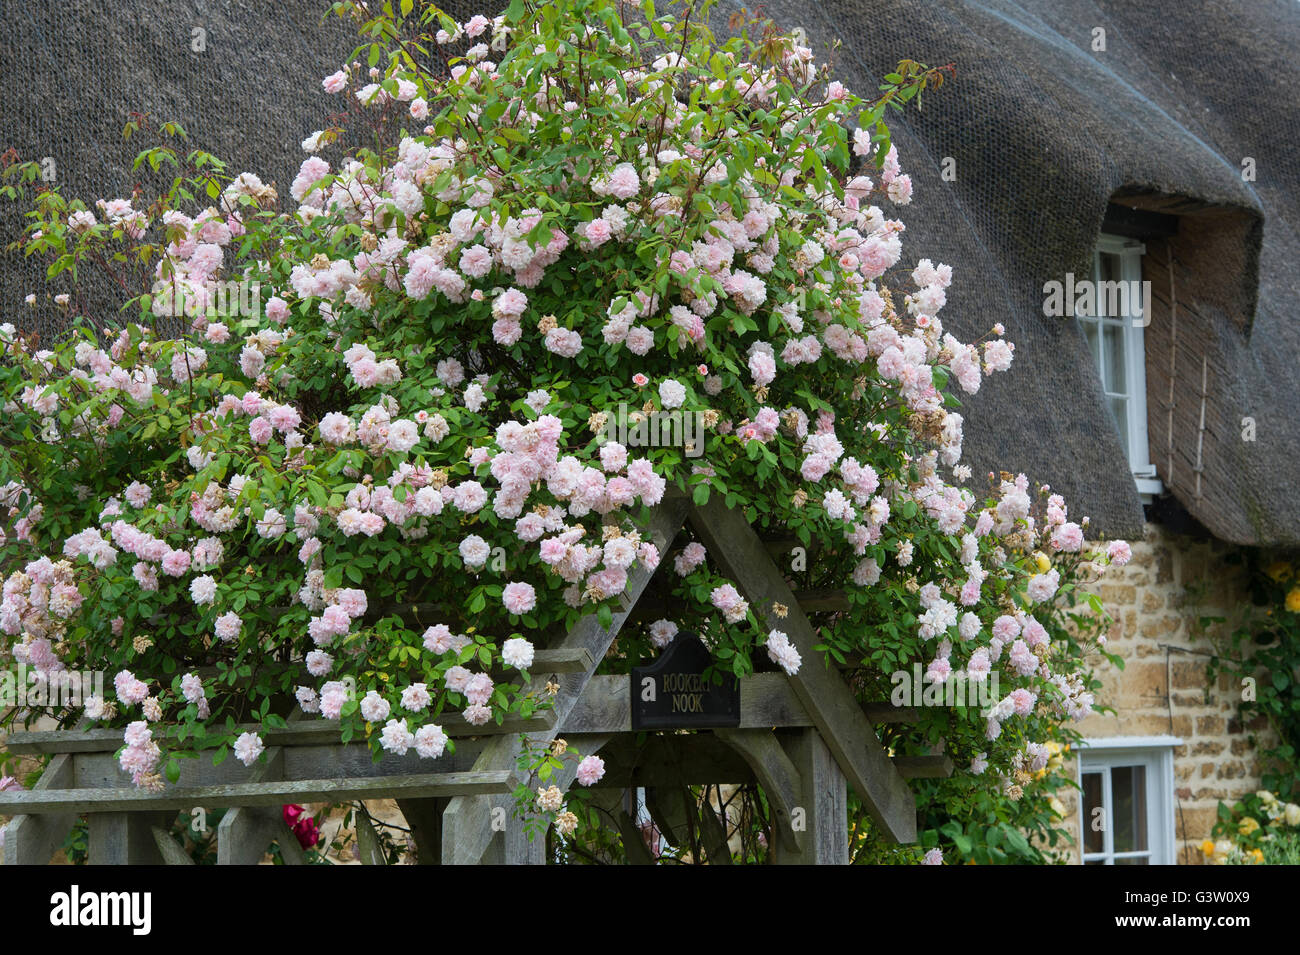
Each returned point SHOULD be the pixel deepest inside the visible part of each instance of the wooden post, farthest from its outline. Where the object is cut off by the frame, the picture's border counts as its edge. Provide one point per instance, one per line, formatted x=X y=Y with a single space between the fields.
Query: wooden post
x=467 y=828
x=828 y=700
x=173 y=852
x=781 y=780
x=33 y=840
x=126 y=838
x=424 y=816
x=824 y=795
x=245 y=832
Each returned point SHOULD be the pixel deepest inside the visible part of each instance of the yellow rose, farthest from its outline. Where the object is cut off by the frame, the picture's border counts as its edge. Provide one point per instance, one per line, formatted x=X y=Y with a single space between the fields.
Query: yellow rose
x=1292 y=814
x=1044 y=562
x=1257 y=856
x=1207 y=847
x=1293 y=600
x=1279 y=571
x=1248 y=825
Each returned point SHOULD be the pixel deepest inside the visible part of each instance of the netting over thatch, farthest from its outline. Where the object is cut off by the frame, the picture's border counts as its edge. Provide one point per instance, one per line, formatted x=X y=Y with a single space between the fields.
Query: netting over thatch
x=74 y=71
x=1044 y=132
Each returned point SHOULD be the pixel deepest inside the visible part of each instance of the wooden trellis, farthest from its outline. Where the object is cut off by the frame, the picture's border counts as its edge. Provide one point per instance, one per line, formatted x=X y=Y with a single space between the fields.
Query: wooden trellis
x=803 y=738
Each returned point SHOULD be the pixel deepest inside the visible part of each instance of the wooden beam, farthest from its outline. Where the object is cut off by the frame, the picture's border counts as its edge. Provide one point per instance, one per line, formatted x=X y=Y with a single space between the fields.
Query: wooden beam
x=776 y=774
x=562 y=660
x=824 y=799
x=424 y=817
x=923 y=767
x=822 y=601
x=832 y=705
x=32 y=839
x=245 y=832
x=697 y=758
x=257 y=794
x=670 y=807
x=889 y=713
x=767 y=701
x=369 y=851
x=171 y=851
x=713 y=834
x=467 y=828
x=638 y=853
x=124 y=838
x=301 y=733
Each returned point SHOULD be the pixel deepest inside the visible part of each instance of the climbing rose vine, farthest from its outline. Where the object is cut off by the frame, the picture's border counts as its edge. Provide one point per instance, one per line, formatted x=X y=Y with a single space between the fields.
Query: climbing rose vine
x=379 y=491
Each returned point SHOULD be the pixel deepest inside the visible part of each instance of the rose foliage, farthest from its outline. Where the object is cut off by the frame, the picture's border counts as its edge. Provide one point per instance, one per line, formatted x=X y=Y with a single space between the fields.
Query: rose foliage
x=379 y=490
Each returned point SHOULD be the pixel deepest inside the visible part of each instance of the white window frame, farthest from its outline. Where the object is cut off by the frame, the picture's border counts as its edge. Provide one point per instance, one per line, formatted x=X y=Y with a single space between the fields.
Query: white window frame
x=1156 y=755
x=1130 y=252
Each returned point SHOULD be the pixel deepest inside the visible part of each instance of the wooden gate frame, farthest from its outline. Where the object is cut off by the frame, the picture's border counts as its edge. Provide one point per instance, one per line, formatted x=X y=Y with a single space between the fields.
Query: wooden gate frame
x=804 y=738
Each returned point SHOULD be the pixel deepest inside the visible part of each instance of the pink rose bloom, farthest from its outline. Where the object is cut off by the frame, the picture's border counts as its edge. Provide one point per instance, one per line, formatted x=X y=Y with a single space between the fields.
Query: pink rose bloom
x=1119 y=553
x=285 y=419
x=457 y=678
x=762 y=368
x=553 y=550
x=277 y=309
x=590 y=770
x=335 y=82
x=476 y=261
x=1067 y=537
x=437 y=639
x=353 y=601
x=613 y=456
x=332 y=697
x=519 y=598
x=478 y=689
x=416 y=697
x=1023 y=701
x=259 y=429
x=1005 y=628
x=176 y=563
x=598 y=232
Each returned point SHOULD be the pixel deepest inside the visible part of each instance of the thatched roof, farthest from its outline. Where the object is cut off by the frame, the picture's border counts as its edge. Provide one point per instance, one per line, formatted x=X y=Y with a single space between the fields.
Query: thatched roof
x=1045 y=132
x=73 y=71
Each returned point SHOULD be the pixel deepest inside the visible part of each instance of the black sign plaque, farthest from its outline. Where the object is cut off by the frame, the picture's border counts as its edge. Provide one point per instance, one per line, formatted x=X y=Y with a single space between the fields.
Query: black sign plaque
x=672 y=693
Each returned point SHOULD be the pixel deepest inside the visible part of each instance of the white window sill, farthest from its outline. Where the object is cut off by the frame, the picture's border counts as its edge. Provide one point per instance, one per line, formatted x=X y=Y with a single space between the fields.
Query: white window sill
x=1148 y=487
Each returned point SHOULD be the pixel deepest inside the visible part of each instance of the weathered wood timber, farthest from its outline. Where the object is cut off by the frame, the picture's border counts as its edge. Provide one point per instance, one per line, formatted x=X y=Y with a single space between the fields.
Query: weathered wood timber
x=826 y=697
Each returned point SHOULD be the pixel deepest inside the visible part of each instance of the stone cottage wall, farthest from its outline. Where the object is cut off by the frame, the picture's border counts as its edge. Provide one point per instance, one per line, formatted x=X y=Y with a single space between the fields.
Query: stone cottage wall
x=1172 y=582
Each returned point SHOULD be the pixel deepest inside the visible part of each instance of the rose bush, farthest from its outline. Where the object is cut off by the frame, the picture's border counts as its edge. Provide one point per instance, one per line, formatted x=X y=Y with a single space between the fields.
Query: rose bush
x=521 y=223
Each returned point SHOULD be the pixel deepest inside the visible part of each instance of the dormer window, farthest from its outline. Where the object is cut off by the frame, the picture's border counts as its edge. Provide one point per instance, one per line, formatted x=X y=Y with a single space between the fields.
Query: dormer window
x=1114 y=324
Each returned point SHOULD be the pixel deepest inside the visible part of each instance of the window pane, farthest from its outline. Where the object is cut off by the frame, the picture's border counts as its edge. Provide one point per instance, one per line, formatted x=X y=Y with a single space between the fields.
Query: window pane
x=1095 y=862
x=1114 y=373
x=1129 y=799
x=1109 y=272
x=1119 y=411
x=1134 y=860
x=1093 y=336
x=1093 y=840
